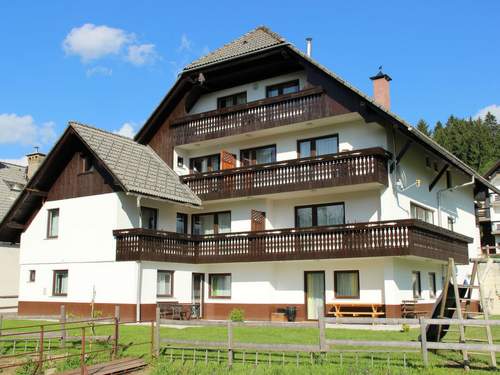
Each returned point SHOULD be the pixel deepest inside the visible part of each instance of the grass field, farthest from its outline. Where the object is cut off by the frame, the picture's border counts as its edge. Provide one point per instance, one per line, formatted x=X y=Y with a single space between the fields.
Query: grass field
x=342 y=360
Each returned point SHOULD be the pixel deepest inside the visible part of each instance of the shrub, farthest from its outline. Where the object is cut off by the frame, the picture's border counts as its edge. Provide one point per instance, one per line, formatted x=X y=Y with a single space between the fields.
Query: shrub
x=237 y=315
x=405 y=328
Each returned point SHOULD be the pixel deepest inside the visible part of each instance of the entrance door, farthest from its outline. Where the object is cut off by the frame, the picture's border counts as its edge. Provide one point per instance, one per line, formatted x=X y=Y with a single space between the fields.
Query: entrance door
x=197 y=295
x=315 y=293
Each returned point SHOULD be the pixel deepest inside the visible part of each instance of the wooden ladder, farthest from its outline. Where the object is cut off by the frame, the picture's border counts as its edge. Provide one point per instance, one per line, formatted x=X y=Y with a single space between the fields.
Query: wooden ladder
x=465 y=312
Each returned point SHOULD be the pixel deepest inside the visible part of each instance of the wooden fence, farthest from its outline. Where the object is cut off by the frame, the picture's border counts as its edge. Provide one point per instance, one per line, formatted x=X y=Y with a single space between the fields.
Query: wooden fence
x=325 y=345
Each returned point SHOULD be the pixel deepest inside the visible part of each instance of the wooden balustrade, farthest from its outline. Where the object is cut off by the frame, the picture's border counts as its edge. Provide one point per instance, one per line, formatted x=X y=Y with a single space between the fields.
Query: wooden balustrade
x=286 y=109
x=388 y=238
x=345 y=168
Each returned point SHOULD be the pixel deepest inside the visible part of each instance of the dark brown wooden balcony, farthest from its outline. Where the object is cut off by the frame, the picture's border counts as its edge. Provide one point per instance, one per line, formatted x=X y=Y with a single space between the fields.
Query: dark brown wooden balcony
x=345 y=168
x=388 y=238
x=306 y=105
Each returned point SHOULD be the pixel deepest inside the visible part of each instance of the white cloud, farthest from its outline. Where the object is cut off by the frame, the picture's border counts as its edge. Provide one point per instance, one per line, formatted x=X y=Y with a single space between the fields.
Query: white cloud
x=99 y=70
x=185 y=44
x=127 y=130
x=24 y=130
x=141 y=54
x=92 y=42
x=21 y=161
x=494 y=109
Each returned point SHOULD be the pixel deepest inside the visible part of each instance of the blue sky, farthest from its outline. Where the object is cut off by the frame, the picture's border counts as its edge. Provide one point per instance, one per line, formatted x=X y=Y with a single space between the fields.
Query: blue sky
x=109 y=63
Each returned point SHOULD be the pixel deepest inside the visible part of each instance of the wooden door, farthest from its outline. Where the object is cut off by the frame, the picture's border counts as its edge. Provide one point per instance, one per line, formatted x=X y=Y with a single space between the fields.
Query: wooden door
x=258 y=220
x=227 y=160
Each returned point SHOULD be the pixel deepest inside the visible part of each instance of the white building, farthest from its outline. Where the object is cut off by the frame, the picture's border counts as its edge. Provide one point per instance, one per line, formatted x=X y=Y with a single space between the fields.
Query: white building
x=261 y=181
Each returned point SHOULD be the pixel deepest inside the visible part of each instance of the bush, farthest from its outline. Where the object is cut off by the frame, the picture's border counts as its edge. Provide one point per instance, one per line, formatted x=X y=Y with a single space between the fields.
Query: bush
x=237 y=315
x=405 y=328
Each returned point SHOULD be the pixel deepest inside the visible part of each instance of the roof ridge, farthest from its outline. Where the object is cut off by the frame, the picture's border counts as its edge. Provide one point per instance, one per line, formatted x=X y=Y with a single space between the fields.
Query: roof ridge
x=13 y=164
x=278 y=38
x=92 y=127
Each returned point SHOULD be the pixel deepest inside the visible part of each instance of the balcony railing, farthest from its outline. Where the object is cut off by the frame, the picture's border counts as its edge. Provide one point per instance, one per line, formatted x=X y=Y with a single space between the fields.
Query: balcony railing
x=345 y=168
x=388 y=238
x=286 y=109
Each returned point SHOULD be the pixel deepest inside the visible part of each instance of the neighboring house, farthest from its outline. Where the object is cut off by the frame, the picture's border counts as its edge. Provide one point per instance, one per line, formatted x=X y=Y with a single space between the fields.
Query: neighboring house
x=488 y=219
x=488 y=212
x=261 y=181
x=12 y=181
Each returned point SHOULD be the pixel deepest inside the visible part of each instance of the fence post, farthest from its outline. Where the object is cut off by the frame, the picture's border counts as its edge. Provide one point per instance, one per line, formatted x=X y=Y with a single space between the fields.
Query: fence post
x=322 y=331
x=1 y=324
x=117 y=312
x=40 y=352
x=157 y=333
x=116 y=338
x=83 y=370
x=62 y=320
x=229 y=343
x=423 y=341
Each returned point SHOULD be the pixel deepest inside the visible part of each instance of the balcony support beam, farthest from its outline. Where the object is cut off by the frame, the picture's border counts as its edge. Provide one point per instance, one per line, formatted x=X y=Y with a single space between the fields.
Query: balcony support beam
x=438 y=177
x=400 y=155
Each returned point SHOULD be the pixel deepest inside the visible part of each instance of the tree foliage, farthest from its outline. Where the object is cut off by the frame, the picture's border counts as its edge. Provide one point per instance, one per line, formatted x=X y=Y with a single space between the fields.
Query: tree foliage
x=474 y=141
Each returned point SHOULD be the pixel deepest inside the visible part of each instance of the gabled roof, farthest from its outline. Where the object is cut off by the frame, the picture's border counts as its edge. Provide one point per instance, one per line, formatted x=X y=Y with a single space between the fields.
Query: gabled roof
x=495 y=168
x=256 y=40
x=136 y=167
x=12 y=177
x=263 y=39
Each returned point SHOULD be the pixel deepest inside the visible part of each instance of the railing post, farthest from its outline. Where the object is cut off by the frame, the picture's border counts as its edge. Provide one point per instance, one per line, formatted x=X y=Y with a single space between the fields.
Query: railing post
x=157 y=333
x=62 y=320
x=322 y=330
x=229 y=343
x=117 y=312
x=423 y=341
x=116 y=338
x=1 y=324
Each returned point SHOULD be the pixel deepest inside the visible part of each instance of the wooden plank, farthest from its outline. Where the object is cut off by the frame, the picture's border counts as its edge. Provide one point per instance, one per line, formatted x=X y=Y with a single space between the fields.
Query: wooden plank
x=389 y=344
x=438 y=176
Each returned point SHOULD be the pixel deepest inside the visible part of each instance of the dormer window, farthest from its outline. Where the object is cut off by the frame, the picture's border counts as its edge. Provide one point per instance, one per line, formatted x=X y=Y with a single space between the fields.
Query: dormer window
x=14 y=186
x=282 y=89
x=232 y=100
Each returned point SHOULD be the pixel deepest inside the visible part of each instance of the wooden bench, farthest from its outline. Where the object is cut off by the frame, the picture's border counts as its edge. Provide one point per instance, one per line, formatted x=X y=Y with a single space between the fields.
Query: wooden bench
x=119 y=366
x=341 y=309
x=173 y=310
x=409 y=309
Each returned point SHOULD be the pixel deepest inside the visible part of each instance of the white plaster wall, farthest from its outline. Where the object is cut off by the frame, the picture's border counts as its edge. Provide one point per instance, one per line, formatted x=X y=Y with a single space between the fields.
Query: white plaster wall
x=114 y=282
x=9 y=274
x=255 y=91
x=352 y=135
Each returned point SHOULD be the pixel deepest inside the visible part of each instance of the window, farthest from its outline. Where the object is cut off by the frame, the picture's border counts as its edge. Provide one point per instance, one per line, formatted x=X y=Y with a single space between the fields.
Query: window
x=319 y=215
x=149 y=218
x=432 y=284
x=282 y=89
x=180 y=161
x=220 y=285
x=451 y=223
x=232 y=100
x=181 y=225
x=32 y=276
x=14 y=186
x=164 y=283
x=259 y=155
x=428 y=162
x=422 y=213
x=87 y=165
x=205 y=164
x=213 y=223
x=53 y=223
x=416 y=284
x=318 y=146
x=60 y=283
x=346 y=284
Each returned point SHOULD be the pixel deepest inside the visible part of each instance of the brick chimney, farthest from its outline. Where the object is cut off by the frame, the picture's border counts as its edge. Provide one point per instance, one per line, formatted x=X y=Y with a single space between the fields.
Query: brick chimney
x=34 y=161
x=381 y=89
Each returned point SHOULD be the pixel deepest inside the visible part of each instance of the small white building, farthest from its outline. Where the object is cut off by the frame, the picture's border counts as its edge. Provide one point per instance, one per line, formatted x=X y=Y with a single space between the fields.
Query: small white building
x=12 y=181
x=261 y=181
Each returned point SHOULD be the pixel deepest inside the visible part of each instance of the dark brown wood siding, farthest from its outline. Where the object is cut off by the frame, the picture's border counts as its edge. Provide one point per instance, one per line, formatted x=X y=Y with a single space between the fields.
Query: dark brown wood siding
x=72 y=183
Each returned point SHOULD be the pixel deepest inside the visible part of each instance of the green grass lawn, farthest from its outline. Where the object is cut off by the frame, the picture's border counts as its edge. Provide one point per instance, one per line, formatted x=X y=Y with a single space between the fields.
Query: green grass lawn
x=187 y=361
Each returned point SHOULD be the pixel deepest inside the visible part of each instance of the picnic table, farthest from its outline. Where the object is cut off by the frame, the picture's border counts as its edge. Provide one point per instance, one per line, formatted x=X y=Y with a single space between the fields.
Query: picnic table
x=342 y=309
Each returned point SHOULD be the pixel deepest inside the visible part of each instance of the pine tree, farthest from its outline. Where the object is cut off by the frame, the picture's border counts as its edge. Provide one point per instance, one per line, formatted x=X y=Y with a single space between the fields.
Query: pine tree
x=423 y=127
